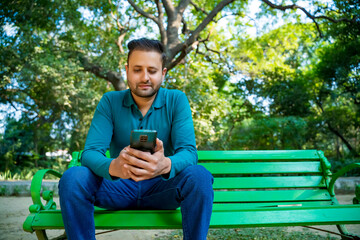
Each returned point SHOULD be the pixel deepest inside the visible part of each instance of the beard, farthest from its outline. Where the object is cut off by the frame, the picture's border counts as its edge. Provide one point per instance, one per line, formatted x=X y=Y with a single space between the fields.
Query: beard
x=148 y=92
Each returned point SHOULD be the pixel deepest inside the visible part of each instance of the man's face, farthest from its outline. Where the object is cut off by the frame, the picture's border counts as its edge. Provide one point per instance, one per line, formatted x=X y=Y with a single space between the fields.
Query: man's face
x=144 y=73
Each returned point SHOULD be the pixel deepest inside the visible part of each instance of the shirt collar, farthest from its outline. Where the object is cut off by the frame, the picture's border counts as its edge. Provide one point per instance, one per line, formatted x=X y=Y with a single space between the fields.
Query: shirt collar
x=158 y=102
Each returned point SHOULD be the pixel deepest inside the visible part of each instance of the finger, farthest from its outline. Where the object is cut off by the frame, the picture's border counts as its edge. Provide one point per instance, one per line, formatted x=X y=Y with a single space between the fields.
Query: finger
x=138 y=179
x=159 y=145
x=139 y=154
x=124 y=154
x=126 y=171
x=125 y=149
x=135 y=162
x=137 y=171
x=136 y=174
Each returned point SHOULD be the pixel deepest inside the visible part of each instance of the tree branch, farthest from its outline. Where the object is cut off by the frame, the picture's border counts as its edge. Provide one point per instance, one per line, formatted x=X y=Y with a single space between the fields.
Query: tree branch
x=10 y=100
x=122 y=30
x=194 y=34
x=182 y=55
x=308 y=14
x=207 y=56
x=336 y=132
x=184 y=29
x=337 y=20
x=199 y=9
x=113 y=77
x=207 y=20
x=119 y=42
x=212 y=50
x=182 y=6
x=162 y=29
x=169 y=7
x=142 y=12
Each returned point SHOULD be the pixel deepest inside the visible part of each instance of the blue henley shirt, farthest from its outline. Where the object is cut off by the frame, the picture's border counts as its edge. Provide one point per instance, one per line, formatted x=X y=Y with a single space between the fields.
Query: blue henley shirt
x=117 y=114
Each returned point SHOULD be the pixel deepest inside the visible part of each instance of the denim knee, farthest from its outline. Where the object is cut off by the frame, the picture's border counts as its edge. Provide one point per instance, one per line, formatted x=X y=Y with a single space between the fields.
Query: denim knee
x=77 y=179
x=200 y=179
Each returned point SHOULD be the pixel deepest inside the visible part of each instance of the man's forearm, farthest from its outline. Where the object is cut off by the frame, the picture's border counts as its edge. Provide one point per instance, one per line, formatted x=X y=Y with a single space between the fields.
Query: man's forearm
x=97 y=162
x=182 y=160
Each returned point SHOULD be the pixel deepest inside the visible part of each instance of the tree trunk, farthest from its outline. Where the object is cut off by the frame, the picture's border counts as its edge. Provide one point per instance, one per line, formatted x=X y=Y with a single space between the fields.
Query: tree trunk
x=347 y=144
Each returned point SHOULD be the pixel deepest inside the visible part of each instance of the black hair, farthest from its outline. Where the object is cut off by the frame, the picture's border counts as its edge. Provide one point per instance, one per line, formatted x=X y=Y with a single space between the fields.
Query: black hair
x=144 y=44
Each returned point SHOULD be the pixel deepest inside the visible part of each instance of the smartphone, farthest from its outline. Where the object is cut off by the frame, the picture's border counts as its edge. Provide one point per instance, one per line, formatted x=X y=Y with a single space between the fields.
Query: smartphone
x=143 y=140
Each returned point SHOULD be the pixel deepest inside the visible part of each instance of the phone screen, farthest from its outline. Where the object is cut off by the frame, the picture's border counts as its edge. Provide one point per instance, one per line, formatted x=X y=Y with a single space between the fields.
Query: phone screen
x=143 y=140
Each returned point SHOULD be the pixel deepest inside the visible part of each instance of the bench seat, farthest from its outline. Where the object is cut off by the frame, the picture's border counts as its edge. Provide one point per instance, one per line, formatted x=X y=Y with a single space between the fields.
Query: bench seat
x=252 y=189
x=223 y=216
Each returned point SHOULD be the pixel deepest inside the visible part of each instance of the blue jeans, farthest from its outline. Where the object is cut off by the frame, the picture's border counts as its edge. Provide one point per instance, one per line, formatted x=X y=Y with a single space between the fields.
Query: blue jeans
x=80 y=189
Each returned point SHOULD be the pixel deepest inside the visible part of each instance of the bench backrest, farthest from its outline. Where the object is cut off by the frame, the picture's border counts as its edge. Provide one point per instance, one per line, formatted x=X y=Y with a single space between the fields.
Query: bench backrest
x=258 y=178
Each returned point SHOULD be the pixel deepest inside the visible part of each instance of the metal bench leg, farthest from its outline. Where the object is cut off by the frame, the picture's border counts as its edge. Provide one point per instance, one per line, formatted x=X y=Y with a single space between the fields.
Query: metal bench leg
x=41 y=235
x=61 y=237
x=343 y=230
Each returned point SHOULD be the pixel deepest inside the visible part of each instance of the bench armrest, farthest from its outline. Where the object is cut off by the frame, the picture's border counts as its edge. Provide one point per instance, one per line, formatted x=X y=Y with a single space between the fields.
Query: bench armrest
x=340 y=173
x=36 y=191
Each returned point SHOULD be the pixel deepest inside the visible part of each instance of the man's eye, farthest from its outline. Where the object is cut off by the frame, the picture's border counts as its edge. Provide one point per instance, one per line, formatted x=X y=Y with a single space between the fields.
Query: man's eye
x=152 y=72
x=137 y=70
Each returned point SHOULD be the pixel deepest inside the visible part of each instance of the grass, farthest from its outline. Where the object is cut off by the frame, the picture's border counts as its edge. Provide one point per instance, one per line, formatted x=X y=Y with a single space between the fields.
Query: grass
x=254 y=234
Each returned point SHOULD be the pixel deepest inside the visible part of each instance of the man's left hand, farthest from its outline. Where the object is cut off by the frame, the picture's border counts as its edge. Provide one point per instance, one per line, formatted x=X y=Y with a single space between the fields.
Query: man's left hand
x=144 y=165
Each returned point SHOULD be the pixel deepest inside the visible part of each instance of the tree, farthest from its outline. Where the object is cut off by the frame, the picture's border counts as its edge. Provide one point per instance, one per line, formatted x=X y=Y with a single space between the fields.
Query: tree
x=315 y=79
x=180 y=33
x=55 y=56
x=338 y=95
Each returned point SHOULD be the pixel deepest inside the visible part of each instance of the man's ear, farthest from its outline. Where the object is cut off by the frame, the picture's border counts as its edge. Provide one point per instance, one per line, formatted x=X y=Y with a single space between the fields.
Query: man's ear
x=163 y=75
x=164 y=72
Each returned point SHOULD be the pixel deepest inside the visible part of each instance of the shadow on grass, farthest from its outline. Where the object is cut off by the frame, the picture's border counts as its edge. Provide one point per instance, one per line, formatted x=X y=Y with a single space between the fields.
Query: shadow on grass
x=255 y=234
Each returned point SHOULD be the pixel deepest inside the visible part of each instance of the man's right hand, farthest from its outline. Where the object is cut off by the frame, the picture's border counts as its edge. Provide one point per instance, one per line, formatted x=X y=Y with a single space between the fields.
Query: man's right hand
x=119 y=166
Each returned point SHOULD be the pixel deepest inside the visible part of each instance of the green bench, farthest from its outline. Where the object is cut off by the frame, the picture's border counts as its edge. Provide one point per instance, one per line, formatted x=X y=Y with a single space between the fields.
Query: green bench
x=252 y=189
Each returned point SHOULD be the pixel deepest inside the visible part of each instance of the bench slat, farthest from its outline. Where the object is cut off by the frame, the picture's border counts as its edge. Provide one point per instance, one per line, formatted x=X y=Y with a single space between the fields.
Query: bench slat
x=263 y=167
x=244 y=206
x=274 y=195
x=269 y=182
x=258 y=155
x=163 y=219
x=287 y=216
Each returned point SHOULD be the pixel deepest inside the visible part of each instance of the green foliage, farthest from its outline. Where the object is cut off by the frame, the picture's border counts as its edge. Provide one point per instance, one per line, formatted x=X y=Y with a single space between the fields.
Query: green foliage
x=283 y=89
x=44 y=80
x=211 y=107
x=337 y=164
x=301 y=76
x=26 y=173
x=268 y=133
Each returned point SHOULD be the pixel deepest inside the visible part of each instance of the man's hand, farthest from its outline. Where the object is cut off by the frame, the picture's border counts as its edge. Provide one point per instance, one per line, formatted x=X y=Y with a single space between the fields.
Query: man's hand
x=118 y=166
x=139 y=165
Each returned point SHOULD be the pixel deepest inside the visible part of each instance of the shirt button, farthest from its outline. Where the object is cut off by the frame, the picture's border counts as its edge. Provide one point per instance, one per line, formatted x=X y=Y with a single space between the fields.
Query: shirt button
x=140 y=119
x=141 y=127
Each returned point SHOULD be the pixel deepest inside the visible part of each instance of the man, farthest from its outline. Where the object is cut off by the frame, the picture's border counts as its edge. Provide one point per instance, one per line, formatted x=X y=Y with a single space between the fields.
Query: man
x=132 y=179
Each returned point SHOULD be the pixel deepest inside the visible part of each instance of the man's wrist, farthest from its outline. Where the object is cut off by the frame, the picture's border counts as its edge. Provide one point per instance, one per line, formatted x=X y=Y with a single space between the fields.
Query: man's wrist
x=112 y=168
x=168 y=166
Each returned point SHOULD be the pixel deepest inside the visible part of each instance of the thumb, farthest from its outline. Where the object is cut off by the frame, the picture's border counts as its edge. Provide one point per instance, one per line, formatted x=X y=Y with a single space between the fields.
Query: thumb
x=159 y=145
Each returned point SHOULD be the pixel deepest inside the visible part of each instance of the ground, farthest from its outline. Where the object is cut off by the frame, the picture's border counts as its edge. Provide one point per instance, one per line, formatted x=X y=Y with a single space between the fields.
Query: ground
x=13 y=211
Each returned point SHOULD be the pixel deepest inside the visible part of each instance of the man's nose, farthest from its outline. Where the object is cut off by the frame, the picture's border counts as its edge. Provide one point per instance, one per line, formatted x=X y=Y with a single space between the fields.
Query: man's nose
x=146 y=75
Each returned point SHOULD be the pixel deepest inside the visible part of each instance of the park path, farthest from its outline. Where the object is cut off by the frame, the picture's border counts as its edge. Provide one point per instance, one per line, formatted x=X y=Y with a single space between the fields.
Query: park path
x=13 y=211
